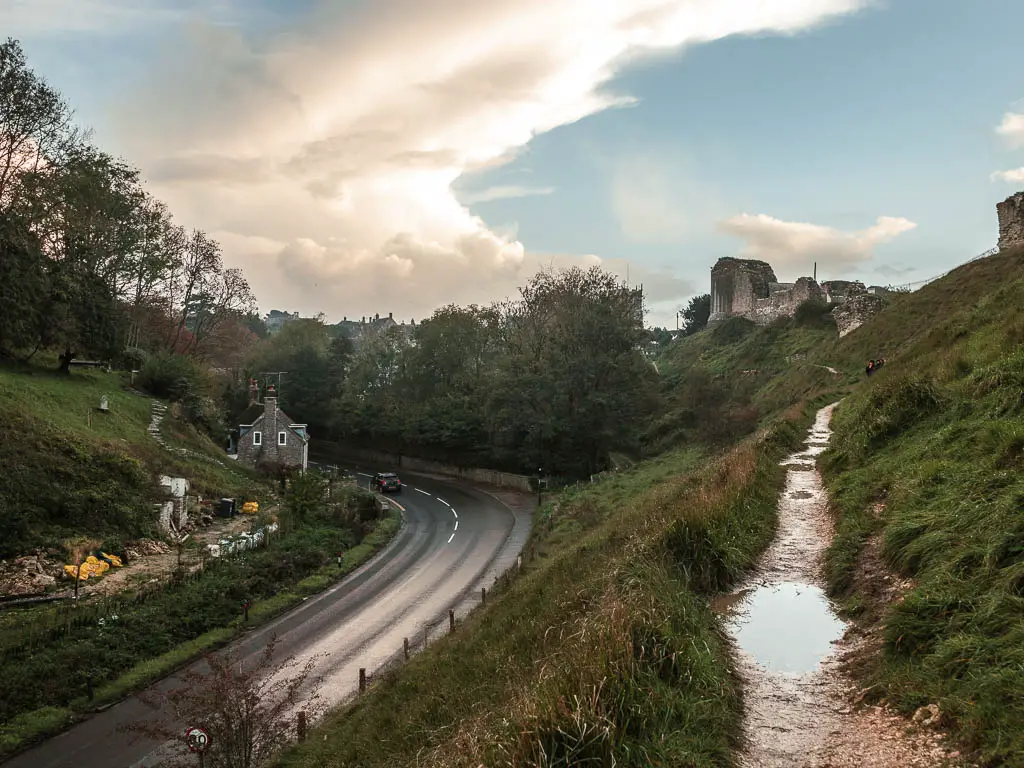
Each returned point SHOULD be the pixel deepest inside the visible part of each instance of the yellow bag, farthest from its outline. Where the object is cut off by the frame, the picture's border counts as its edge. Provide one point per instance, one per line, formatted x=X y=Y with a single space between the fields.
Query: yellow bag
x=114 y=559
x=251 y=507
x=83 y=573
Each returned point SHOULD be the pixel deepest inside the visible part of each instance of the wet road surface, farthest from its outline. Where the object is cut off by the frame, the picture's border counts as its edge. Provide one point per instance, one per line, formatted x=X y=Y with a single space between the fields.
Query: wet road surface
x=454 y=540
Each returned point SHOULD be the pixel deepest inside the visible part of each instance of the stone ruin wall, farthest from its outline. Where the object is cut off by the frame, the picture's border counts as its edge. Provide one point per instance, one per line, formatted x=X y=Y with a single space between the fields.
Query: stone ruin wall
x=748 y=288
x=854 y=312
x=1011 y=221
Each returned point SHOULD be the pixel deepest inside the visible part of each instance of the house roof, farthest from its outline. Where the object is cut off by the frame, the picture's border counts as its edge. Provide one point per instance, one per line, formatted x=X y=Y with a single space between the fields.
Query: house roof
x=255 y=412
x=251 y=415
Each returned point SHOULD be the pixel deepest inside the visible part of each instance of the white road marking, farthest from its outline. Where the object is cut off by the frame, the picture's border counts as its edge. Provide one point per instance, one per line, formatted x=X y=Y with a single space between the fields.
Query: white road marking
x=456 y=525
x=443 y=501
x=455 y=513
x=451 y=537
x=425 y=493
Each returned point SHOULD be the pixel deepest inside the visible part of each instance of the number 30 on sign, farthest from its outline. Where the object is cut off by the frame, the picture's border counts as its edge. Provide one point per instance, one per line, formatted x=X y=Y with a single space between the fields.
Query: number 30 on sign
x=197 y=740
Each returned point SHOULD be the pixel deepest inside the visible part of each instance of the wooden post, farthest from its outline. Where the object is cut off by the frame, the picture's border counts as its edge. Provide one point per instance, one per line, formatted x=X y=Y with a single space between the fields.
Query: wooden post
x=301 y=726
x=451 y=620
x=362 y=679
x=405 y=647
x=519 y=562
x=483 y=594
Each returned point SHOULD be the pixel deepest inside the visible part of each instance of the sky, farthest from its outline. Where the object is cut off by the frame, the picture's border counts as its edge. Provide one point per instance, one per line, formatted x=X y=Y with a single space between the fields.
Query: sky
x=357 y=157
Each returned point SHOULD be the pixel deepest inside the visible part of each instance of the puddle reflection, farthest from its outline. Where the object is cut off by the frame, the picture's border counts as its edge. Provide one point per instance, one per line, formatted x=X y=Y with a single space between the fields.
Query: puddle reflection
x=787 y=627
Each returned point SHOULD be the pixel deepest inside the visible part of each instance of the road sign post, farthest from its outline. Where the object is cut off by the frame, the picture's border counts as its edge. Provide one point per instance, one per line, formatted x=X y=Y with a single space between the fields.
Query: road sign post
x=198 y=741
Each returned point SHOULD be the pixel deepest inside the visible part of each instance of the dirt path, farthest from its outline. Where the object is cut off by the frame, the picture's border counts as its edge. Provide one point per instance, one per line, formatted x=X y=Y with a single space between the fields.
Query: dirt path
x=161 y=565
x=790 y=648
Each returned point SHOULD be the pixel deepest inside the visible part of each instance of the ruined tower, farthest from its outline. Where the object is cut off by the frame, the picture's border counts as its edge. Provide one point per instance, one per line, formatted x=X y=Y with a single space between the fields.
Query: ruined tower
x=1011 y=221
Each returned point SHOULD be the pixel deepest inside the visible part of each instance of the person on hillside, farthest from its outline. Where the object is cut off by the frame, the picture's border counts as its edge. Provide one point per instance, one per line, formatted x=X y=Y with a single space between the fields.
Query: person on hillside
x=870 y=367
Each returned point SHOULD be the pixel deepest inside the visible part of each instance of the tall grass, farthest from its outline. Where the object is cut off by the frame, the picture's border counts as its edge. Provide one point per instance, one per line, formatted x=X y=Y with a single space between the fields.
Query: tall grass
x=603 y=651
x=926 y=461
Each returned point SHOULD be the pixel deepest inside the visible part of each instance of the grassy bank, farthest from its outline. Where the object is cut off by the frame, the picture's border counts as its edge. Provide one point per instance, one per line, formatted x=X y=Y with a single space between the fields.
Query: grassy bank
x=926 y=477
x=603 y=647
x=70 y=470
x=47 y=690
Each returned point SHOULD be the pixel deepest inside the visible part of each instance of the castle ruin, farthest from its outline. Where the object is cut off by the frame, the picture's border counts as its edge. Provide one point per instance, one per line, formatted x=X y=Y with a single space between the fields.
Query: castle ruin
x=1011 y=221
x=748 y=288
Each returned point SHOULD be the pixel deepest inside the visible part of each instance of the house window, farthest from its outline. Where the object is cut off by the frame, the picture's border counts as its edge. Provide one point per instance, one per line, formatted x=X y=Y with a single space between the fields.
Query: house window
x=257 y=438
x=282 y=438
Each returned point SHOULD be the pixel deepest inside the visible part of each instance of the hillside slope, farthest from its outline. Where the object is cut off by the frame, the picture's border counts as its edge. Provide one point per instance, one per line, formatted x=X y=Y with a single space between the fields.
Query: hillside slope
x=926 y=480
x=71 y=471
x=605 y=648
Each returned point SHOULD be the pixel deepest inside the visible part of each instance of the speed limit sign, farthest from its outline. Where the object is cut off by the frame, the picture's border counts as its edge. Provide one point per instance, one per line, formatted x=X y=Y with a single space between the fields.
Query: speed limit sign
x=197 y=740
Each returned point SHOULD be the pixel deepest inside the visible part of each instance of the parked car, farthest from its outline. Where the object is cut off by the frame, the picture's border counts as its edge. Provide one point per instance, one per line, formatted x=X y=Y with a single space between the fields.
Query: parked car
x=387 y=482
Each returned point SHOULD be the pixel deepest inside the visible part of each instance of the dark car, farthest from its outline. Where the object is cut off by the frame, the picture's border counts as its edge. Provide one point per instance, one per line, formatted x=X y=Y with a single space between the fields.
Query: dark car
x=387 y=482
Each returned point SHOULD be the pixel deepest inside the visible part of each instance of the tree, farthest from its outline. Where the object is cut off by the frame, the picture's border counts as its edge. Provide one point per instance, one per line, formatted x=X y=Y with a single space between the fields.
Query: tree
x=24 y=288
x=696 y=314
x=574 y=384
x=36 y=131
x=248 y=712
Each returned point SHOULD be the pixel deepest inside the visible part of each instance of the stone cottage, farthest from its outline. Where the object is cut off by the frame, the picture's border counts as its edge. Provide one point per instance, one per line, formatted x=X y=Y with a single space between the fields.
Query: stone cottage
x=268 y=435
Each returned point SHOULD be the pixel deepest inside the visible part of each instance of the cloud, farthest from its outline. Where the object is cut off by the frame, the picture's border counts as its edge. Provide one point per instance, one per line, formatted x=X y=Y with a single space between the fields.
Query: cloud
x=323 y=156
x=1013 y=176
x=657 y=199
x=1012 y=128
x=793 y=243
x=502 y=193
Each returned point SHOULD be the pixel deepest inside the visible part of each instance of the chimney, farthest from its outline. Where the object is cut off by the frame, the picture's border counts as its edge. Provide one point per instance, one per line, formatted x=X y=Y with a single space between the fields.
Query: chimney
x=390 y=316
x=344 y=319
x=376 y=315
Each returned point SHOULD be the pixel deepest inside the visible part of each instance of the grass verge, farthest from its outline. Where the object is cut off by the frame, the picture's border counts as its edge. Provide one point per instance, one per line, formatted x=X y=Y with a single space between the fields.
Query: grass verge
x=925 y=476
x=34 y=726
x=603 y=650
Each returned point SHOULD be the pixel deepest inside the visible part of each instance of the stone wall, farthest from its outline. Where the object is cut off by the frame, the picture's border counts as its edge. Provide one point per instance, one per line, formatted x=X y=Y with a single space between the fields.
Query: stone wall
x=853 y=313
x=385 y=461
x=274 y=421
x=1011 y=221
x=748 y=288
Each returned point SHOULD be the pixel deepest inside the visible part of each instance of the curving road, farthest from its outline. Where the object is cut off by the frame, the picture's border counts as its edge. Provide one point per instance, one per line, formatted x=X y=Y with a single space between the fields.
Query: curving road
x=454 y=539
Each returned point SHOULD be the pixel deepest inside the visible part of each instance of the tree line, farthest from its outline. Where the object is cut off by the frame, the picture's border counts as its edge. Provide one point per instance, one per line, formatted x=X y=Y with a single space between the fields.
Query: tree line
x=90 y=262
x=553 y=380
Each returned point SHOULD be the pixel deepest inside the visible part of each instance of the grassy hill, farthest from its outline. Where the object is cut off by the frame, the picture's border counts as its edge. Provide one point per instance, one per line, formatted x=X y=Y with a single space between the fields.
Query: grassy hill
x=605 y=646
x=69 y=470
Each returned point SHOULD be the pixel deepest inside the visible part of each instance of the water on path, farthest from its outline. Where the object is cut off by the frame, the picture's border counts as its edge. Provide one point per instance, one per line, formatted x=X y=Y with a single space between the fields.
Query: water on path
x=784 y=625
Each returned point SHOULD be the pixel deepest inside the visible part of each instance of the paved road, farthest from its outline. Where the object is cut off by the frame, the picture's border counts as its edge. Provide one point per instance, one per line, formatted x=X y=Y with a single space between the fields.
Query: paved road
x=455 y=539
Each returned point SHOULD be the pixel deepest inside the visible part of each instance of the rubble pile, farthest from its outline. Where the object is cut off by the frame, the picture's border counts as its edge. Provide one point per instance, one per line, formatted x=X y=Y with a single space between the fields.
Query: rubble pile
x=30 y=574
x=144 y=547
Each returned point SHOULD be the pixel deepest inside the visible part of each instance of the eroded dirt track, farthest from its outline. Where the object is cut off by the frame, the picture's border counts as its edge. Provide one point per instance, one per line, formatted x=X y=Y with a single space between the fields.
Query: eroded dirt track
x=791 y=647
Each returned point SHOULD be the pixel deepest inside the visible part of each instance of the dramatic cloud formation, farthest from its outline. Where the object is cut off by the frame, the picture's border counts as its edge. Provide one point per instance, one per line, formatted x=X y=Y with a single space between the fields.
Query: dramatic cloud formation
x=1014 y=176
x=1012 y=128
x=793 y=243
x=323 y=157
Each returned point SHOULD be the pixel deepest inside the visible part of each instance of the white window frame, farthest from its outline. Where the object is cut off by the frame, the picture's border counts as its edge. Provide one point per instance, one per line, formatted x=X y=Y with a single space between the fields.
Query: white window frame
x=282 y=438
x=257 y=438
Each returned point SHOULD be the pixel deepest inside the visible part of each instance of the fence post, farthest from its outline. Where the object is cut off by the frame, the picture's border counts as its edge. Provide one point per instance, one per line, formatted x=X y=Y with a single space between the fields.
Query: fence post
x=451 y=620
x=362 y=679
x=405 y=647
x=483 y=594
x=301 y=727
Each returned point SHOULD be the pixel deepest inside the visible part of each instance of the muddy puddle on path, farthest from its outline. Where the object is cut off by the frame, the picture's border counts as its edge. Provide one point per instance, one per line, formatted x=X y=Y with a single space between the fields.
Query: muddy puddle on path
x=784 y=626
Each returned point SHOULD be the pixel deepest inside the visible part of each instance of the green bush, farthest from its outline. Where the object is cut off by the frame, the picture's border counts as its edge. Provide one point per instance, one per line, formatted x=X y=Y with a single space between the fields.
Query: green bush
x=813 y=313
x=170 y=376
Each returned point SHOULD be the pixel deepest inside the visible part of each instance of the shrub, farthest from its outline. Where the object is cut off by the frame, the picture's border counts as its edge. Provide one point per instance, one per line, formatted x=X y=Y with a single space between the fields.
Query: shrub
x=813 y=313
x=167 y=375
